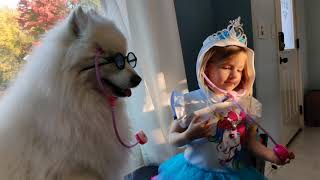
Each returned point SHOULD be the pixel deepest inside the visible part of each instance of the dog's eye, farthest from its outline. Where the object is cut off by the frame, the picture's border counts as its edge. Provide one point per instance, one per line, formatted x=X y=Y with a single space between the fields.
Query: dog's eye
x=119 y=60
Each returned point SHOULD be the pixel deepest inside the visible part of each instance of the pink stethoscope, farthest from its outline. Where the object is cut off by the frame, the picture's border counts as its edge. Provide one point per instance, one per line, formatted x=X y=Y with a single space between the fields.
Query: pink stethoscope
x=140 y=136
x=281 y=151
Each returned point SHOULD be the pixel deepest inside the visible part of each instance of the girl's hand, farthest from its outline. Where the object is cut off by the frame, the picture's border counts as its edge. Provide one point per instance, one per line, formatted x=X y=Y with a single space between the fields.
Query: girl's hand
x=198 y=128
x=262 y=151
x=279 y=162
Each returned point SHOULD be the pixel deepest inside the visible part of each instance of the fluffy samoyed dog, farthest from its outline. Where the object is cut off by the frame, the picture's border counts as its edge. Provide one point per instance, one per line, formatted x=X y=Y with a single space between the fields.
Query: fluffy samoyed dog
x=55 y=123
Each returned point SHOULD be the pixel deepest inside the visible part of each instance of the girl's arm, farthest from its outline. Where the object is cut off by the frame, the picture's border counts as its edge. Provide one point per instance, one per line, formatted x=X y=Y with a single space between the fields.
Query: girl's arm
x=179 y=136
x=259 y=149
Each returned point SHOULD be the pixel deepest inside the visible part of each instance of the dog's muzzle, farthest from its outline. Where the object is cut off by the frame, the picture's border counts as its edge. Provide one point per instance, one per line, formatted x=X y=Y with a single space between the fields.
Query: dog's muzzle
x=135 y=80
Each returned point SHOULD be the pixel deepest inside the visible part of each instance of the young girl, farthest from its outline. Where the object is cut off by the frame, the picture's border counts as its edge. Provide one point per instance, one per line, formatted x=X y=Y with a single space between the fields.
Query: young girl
x=213 y=121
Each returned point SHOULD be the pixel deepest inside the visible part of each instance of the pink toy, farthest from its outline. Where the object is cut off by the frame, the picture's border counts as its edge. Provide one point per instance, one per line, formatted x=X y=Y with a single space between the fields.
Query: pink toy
x=141 y=137
x=282 y=153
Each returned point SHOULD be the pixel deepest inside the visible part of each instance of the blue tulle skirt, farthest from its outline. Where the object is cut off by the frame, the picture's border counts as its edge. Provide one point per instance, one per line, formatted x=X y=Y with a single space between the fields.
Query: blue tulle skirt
x=177 y=168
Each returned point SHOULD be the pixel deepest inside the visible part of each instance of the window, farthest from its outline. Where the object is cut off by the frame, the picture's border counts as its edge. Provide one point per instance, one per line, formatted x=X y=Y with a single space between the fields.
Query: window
x=21 y=24
x=287 y=20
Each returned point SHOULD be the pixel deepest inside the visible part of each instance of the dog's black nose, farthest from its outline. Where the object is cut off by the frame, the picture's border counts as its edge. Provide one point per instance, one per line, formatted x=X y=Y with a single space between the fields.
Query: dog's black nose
x=135 y=80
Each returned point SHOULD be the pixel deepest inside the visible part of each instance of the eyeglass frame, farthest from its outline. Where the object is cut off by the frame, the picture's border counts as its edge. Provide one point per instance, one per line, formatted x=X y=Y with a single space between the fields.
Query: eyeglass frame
x=111 y=59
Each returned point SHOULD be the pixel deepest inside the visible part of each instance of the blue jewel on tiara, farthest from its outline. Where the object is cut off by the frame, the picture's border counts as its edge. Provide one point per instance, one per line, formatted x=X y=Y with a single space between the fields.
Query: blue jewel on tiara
x=221 y=36
x=225 y=33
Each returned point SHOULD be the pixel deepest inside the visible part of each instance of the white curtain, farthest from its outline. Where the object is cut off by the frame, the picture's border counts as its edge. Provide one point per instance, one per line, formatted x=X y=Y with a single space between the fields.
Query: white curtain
x=152 y=32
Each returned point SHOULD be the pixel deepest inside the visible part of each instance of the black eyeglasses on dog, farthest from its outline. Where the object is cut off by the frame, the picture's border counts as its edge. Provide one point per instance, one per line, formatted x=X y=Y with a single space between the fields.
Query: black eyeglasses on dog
x=119 y=60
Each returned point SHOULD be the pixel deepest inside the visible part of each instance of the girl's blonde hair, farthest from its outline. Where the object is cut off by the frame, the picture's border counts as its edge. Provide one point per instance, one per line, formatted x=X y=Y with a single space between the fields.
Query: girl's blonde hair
x=218 y=54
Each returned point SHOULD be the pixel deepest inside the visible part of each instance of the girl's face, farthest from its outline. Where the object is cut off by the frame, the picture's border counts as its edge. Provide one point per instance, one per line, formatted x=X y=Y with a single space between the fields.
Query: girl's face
x=227 y=74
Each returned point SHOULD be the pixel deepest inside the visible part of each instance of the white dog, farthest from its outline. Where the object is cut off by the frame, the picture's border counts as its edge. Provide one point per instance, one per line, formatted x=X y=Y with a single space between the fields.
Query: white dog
x=55 y=123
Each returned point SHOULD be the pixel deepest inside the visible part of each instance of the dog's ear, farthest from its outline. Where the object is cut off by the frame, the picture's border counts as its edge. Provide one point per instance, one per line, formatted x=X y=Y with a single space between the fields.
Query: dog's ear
x=79 y=20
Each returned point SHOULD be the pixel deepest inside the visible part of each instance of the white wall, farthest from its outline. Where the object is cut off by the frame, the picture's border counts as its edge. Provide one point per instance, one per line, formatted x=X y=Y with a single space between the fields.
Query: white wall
x=313 y=36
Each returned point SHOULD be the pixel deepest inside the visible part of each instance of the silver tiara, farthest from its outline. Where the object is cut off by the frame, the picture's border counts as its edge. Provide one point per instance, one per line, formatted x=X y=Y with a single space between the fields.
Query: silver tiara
x=234 y=31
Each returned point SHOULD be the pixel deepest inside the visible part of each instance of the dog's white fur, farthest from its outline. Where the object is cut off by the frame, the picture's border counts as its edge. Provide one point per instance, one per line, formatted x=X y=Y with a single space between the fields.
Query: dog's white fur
x=55 y=124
